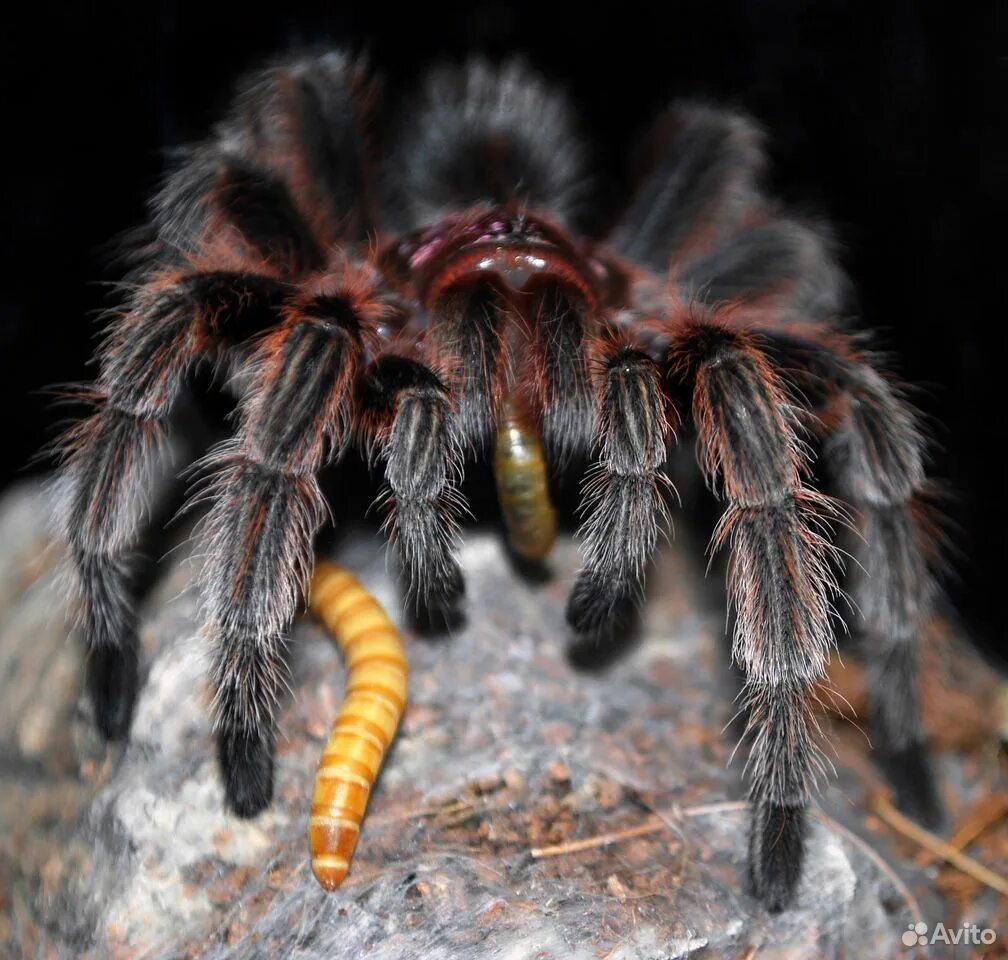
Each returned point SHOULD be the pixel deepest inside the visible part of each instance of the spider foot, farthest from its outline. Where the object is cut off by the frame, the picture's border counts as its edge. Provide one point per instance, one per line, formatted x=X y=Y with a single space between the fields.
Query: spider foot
x=443 y=590
x=910 y=773
x=246 y=760
x=439 y=596
x=112 y=683
x=598 y=604
x=776 y=850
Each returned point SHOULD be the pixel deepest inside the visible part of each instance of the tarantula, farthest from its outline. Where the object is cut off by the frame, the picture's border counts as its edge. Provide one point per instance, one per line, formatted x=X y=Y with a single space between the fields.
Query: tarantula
x=394 y=294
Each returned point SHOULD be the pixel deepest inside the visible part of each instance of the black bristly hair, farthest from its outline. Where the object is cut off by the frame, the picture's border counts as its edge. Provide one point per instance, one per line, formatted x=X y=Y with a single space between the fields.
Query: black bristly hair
x=874 y=448
x=414 y=432
x=392 y=295
x=562 y=376
x=480 y=135
x=780 y=580
x=623 y=506
x=700 y=185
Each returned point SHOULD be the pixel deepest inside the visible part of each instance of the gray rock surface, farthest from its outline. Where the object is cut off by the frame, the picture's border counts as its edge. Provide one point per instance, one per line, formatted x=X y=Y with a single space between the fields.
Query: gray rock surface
x=506 y=746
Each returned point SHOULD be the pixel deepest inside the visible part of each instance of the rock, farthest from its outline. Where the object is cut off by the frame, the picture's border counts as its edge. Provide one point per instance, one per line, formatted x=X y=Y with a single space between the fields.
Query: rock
x=506 y=748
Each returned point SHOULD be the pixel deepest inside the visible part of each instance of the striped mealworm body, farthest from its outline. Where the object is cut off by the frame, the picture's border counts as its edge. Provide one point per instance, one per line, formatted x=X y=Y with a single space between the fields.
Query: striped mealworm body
x=522 y=482
x=377 y=676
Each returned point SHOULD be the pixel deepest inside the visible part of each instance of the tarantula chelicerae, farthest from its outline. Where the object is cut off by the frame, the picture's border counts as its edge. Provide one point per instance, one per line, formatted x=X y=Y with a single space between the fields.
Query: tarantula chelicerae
x=396 y=298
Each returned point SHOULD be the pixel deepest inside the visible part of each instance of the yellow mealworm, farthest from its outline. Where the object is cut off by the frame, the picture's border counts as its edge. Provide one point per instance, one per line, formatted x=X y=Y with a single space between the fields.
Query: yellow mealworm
x=373 y=705
x=522 y=483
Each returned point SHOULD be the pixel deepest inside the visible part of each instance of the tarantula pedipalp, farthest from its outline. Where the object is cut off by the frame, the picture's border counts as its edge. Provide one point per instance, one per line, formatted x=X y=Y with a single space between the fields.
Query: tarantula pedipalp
x=482 y=289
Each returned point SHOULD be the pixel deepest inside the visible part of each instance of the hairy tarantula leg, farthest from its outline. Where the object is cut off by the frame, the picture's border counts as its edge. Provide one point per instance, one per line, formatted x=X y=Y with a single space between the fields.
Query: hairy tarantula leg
x=623 y=504
x=109 y=459
x=561 y=377
x=779 y=578
x=266 y=508
x=468 y=332
x=878 y=451
x=285 y=167
x=701 y=185
x=875 y=449
x=410 y=424
x=783 y=266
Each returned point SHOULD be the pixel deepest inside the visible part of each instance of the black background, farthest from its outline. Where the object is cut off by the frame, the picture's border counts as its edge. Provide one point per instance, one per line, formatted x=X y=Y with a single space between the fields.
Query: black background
x=888 y=118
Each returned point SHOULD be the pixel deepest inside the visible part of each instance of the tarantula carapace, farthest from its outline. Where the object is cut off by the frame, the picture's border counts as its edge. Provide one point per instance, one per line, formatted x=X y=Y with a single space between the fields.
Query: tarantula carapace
x=393 y=291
